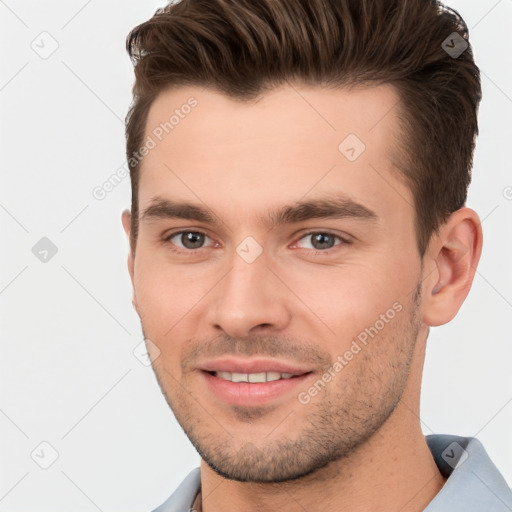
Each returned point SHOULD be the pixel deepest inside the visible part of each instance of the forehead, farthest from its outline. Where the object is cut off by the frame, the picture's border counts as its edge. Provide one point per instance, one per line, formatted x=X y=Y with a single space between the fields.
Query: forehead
x=287 y=143
x=287 y=114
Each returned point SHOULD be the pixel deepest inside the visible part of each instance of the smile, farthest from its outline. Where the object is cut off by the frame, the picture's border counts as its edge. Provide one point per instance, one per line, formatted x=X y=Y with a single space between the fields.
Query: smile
x=253 y=377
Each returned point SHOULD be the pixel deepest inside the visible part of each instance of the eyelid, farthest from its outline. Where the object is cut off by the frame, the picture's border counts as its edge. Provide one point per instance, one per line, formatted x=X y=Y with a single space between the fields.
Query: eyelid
x=344 y=239
x=168 y=236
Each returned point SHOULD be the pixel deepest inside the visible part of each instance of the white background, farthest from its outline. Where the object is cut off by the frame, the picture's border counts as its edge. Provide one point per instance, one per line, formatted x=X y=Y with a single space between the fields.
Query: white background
x=68 y=330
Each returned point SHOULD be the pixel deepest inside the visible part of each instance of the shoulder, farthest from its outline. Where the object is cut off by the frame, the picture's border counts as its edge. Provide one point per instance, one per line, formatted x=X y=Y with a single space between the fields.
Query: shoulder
x=182 y=498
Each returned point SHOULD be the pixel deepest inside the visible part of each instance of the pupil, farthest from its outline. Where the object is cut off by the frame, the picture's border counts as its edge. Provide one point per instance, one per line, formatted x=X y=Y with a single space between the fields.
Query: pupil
x=192 y=240
x=322 y=241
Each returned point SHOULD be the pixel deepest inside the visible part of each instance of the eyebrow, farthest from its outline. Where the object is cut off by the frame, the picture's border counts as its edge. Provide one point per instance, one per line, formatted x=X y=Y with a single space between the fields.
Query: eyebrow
x=336 y=207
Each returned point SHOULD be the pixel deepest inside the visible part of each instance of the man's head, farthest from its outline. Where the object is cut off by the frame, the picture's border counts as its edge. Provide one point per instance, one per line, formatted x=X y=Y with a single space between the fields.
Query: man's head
x=297 y=218
x=244 y=48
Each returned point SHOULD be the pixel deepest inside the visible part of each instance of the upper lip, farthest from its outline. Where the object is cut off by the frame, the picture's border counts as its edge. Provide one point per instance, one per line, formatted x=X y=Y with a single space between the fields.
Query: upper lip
x=234 y=365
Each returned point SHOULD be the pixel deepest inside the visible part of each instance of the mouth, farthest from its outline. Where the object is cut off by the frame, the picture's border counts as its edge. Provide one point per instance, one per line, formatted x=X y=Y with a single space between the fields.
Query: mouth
x=253 y=382
x=253 y=378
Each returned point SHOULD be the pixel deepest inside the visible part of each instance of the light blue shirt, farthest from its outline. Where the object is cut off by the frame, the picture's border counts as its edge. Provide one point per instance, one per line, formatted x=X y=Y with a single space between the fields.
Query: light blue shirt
x=474 y=483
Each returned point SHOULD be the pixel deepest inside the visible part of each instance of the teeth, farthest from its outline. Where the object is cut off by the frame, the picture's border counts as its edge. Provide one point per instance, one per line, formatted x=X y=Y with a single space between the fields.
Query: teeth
x=258 y=377
x=253 y=377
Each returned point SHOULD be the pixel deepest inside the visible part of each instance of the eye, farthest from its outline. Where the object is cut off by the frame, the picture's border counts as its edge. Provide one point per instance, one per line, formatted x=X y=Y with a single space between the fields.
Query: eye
x=188 y=239
x=319 y=241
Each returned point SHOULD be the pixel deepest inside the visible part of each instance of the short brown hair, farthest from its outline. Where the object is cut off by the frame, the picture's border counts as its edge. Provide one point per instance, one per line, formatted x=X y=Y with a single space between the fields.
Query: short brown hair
x=243 y=48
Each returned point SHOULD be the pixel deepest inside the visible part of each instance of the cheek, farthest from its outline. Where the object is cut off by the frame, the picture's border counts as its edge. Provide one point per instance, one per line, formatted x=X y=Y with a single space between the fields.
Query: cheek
x=159 y=297
x=348 y=298
x=168 y=296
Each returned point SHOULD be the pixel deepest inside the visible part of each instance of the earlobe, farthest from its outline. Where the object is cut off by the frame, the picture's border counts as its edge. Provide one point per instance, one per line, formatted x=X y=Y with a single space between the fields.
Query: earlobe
x=454 y=254
x=126 y=220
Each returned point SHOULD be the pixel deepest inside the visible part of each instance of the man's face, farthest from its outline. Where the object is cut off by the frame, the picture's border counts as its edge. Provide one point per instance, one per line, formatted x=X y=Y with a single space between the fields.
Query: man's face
x=266 y=248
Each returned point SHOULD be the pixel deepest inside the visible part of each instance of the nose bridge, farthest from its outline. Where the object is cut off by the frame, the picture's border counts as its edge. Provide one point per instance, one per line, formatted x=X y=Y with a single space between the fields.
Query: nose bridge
x=249 y=295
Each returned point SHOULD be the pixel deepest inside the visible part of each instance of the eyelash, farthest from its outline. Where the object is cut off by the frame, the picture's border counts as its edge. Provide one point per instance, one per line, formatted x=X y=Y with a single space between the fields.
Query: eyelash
x=167 y=240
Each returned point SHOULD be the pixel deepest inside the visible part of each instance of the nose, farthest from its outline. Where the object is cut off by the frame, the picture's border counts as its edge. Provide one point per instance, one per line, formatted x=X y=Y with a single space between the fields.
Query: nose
x=249 y=299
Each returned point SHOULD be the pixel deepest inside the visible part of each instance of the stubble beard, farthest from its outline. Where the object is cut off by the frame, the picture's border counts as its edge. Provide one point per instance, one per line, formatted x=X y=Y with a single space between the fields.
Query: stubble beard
x=353 y=407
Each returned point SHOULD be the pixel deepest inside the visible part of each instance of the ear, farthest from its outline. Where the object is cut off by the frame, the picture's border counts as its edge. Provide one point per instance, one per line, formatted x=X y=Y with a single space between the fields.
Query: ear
x=450 y=265
x=126 y=220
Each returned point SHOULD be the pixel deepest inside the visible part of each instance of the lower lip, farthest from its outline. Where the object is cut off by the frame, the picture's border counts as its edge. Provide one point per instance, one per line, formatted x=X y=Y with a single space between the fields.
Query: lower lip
x=252 y=394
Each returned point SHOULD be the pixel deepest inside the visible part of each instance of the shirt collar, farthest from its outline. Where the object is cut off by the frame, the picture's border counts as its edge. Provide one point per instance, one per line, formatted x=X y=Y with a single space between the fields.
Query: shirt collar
x=474 y=483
